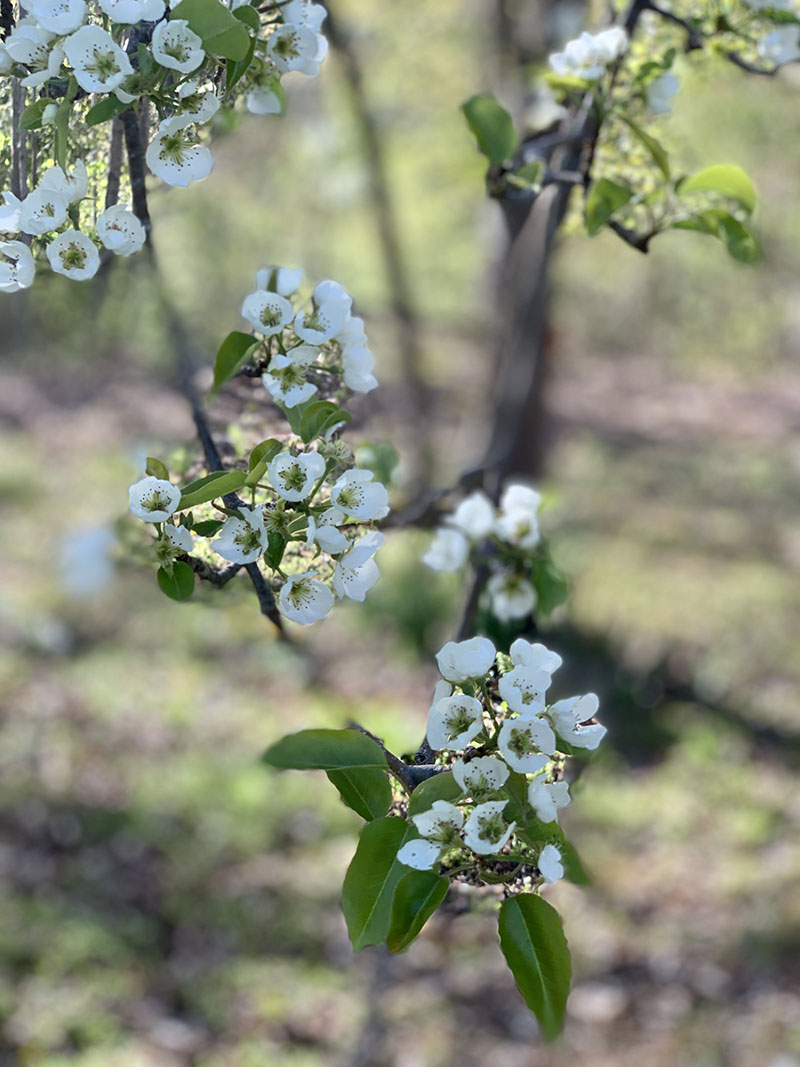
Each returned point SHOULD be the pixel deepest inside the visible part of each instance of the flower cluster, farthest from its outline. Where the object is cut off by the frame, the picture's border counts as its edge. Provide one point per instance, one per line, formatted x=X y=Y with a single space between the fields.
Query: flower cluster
x=187 y=59
x=507 y=535
x=588 y=56
x=310 y=509
x=502 y=740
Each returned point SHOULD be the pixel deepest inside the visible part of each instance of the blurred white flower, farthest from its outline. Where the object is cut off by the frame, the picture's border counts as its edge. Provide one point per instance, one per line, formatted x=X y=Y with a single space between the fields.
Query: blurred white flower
x=356 y=572
x=448 y=551
x=660 y=92
x=549 y=864
x=547 y=797
x=460 y=661
x=511 y=596
x=120 y=230
x=474 y=516
x=17 y=266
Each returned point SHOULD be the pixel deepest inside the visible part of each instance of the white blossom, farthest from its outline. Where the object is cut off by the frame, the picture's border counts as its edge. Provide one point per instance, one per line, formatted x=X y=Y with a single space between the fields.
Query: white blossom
x=441 y=822
x=128 y=12
x=486 y=831
x=357 y=364
x=421 y=854
x=356 y=572
x=6 y=62
x=327 y=318
x=263 y=100
x=660 y=92
x=588 y=55
x=474 y=516
x=358 y=496
x=453 y=722
x=524 y=690
x=99 y=63
x=569 y=717
x=179 y=537
x=73 y=187
x=268 y=313
x=448 y=551
x=284 y=378
x=535 y=657
x=549 y=864
x=780 y=46
x=17 y=266
x=120 y=230
x=29 y=44
x=305 y=13
x=177 y=47
x=523 y=741
x=511 y=596
x=153 y=499
x=85 y=567
x=460 y=661
x=10 y=214
x=296 y=47
x=547 y=797
x=50 y=69
x=517 y=522
x=42 y=211
x=293 y=477
x=174 y=157
x=323 y=531
x=58 y=16
x=304 y=599
x=74 y=254
x=481 y=777
x=282 y=280
x=197 y=108
x=242 y=540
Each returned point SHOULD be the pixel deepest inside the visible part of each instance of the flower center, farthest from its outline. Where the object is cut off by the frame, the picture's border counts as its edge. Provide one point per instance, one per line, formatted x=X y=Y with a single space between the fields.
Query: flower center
x=294 y=477
x=103 y=66
x=247 y=539
x=158 y=500
x=520 y=743
x=491 y=827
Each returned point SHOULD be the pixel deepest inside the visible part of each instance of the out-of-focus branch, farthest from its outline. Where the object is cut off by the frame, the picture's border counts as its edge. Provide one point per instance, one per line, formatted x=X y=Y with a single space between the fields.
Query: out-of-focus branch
x=134 y=146
x=114 y=162
x=397 y=274
x=19 y=152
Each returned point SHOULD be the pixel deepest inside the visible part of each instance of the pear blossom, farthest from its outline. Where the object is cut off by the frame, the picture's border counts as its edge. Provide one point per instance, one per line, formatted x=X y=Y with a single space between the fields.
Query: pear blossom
x=448 y=551
x=549 y=864
x=357 y=364
x=323 y=531
x=329 y=291
x=517 y=521
x=588 y=55
x=293 y=477
x=179 y=537
x=85 y=567
x=99 y=63
x=780 y=46
x=486 y=831
x=356 y=572
x=242 y=540
x=304 y=13
x=304 y=599
x=481 y=777
x=17 y=266
x=463 y=660
x=524 y=690
x=197 y=108
x=536 y=657
x=523 y=741
x=73 y=187
x=547 y=797
x=58 y=16
x=296 y=47
x=10 y=214
x=6 y=62
x=268 y=313
x=263 y=100
x=42 y=211
x=511 y=596
x=153 y=499
x=454 y=721
x=440 y=827
x=569 y=717
x=29 y=44
x=284 y=378
x=282 y=280
x=660 y=92
x=474 y=516
x=331 y=310
x=128 y=12
x=174 y=157
x=353 y=333
x=120 y=230
x=421 y=854
x=177 y=47
x=73 y=254
x=358 y=496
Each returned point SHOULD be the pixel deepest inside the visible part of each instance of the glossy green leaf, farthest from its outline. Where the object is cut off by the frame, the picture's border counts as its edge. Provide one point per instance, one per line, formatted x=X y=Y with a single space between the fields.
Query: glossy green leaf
x=236 y=68
x=31 y=118
x=654 y=147
x=320 y=416
x=416 y=898
x=233 y=353
x=533 y=943
x=208 y=527
x=726 y=179
x=276 y=546
x=550 y=585
x=492 y=126
x=211 y=487
x=222 y=33
x=364 y=789
x=179 y=585
x=442 y=786
x=371 y=880
x=156 y=469
x=108 y=108
x=325 y=750
x=604 y=199
x=264 y=450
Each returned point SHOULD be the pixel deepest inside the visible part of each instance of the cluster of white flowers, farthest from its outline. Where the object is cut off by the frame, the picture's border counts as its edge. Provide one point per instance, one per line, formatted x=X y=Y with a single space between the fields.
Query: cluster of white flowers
x=105 y=54
x=300 y=343
x=781 y=45
x=310 y=509
x=588 y=56
x=495 y=710
x=513 y=530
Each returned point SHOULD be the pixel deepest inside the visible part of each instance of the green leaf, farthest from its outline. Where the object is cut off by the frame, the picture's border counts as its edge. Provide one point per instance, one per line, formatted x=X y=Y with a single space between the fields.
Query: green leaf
x=371 y=879
x=379 y=457
x=294 y=415
x=233 y=353
x=220 y=483
x=727 y=180
x=364 y=789
x=31 y=118
x=325 y=750
x=208 y=527
x=442 y=786
x=605 y=197
x=235 y=69
x=180 y=584
x=536 y=833
x=222 y=33
x=492 y=126
x=107 y=109
x=265 y=450
x=276 y=546
x=533 y=943
x=654 y=147
x=249 y=16
x=550 y=585
x=416 y=898
x=738 y=240
x=320 y=416
x=156 y=469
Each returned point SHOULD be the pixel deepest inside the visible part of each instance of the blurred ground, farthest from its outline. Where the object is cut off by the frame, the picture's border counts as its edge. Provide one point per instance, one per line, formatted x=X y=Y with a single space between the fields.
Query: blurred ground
x=166 y=901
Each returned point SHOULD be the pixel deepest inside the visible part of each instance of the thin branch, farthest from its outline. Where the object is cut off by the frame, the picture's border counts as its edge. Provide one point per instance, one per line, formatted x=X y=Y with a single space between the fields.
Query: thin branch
x=19 y=155
x=210 y=574
x=410 y=775
x=114 y=162
x=136 y=167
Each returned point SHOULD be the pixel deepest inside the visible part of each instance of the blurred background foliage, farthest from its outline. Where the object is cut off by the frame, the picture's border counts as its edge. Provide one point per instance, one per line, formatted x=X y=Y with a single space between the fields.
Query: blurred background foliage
x=166 y=902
